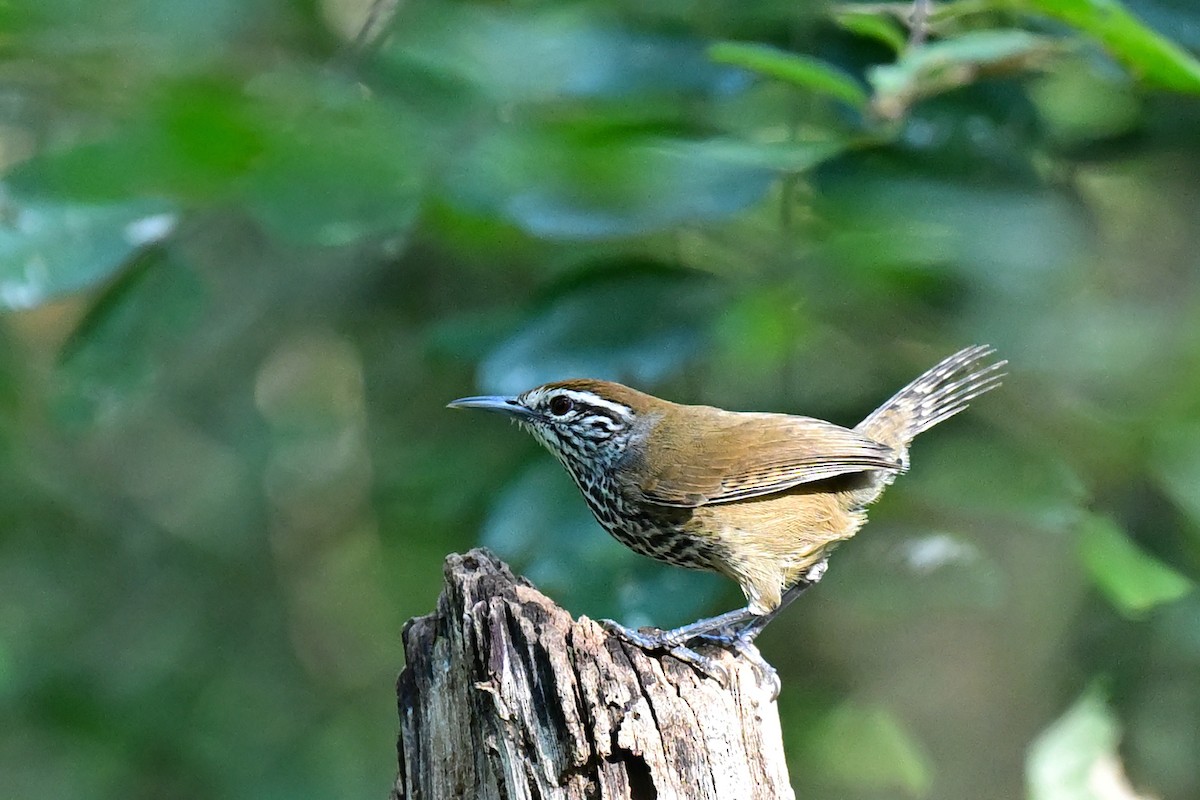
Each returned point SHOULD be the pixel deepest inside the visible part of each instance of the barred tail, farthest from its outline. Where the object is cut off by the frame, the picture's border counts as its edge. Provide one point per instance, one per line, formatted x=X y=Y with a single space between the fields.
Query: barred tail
x=938 y=394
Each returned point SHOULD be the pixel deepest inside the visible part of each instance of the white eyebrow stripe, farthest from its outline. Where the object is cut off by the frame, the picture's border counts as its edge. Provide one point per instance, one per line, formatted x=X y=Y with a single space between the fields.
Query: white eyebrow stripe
x=588 y=399
x=603 y=422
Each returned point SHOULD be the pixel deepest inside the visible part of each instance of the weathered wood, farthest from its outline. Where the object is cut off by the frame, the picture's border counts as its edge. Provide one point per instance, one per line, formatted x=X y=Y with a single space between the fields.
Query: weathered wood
x=505 y=696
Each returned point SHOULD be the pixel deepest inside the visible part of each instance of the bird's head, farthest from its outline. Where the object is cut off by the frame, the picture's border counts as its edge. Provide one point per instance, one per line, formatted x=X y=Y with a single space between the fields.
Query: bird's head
x=581 y=421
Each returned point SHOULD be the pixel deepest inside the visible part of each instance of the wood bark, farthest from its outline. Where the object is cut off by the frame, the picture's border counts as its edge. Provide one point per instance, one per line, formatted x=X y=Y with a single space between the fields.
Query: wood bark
x=506 y=697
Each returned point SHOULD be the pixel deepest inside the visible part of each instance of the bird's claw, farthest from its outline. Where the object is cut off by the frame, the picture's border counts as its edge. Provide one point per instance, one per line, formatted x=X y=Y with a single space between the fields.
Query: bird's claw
x=656 y=639
x=741 y=641
x=766 y=673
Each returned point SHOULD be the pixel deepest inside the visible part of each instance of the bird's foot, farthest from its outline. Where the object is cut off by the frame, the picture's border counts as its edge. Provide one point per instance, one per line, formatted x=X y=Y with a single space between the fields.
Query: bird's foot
x=670 y=642
x=766 y=673
x=740 y=639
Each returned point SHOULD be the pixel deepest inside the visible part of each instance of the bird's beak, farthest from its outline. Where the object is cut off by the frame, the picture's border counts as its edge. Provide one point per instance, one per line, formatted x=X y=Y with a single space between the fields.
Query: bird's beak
x=503 y=405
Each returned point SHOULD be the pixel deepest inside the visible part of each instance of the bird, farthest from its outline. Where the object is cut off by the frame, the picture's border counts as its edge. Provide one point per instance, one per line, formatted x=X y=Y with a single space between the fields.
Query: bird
x=762 y=498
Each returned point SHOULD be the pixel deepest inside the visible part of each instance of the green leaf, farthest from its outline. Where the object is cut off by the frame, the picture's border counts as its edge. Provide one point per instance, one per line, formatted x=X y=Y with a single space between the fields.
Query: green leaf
x=1076 y=753
x=1176 y=463
x=630 y=322
x=950 y=63
x=565 y=183
x=866 y=747
x=1133 y=580
x=336 y=165
x=128 y=338
x=759 y=331
x=191 y=140
x=143 y=38
x=307 y=153
x=544 y=56
x=1154 y=58
x=51 y=248
x=1079 y=104
x=870 y=26
x=782 y=157
x=800 y=70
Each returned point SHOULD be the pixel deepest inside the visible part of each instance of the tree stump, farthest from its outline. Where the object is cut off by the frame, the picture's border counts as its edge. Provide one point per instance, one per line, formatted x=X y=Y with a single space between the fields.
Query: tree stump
x=505 y=696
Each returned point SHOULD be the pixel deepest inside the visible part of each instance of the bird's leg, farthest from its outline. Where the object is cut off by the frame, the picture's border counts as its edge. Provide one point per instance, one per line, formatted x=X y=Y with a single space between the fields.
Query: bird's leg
x=651 y=640
x=658 y=639
x=675 y=641
x=734 y=629
x=753 y=627
x=741 y=627
x=737 y=629
x=741 y=635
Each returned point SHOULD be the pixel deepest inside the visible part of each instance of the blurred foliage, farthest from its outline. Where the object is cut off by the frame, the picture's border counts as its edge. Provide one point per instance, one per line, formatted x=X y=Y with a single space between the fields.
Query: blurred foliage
x=1076 y=758
x=247 y=255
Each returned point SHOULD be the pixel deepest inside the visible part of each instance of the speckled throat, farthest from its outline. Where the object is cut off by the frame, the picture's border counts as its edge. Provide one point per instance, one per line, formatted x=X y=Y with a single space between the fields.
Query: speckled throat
x=659 y=532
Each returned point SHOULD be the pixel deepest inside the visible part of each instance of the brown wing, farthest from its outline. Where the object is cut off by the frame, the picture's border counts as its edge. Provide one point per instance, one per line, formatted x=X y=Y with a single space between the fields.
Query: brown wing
x=746 y=455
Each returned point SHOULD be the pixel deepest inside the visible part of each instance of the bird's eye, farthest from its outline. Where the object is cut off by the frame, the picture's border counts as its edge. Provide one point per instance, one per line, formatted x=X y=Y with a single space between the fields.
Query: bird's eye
x=560 y=404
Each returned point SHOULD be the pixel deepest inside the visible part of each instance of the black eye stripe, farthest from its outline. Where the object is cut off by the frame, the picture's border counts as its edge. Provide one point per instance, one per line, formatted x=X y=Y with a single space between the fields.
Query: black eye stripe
x=573 y=415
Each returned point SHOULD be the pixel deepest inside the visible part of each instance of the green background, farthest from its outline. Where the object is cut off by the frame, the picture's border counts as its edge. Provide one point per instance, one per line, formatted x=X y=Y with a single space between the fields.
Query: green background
x=244 y=263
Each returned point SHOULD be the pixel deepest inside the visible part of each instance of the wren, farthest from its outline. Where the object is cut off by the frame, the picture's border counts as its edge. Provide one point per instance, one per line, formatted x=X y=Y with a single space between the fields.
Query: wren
x=762 y=498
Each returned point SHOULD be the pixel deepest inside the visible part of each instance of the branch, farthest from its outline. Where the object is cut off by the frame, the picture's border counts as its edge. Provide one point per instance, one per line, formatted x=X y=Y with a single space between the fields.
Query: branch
x=506 y=696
